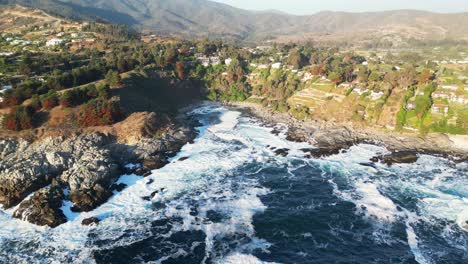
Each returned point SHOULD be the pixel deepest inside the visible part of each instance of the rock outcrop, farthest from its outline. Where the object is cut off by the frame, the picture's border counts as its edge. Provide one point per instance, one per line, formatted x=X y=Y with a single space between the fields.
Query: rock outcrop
x=86 y=164
x=43 y=207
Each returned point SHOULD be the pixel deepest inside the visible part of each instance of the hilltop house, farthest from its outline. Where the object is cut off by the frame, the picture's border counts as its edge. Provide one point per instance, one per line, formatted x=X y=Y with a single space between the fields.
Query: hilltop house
x=54 y=42
x=360 y=91
x=440 y=108
x=440 y=95
x=3 y=89
x=276 y=65
x=411 y=105
x=449 y=87
x=376 y=95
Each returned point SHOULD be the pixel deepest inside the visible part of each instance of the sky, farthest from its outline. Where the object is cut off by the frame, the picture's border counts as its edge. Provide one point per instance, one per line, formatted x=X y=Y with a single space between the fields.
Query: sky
x=302 y=7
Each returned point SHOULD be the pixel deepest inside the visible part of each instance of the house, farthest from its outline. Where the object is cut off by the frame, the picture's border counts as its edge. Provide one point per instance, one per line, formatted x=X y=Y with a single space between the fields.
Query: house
x=440 y=95
x=449 y=87
x=360 y=91
x=228 y=61
x=411 y=105
x=440 y=108
x=215 y=60
x=54 y=42
x=276 y=65
x=3 y=89
x=6 y=54
x=60 y=34
x=459 y=99
x=344 y=85
x=376 y=95
x=75 y=35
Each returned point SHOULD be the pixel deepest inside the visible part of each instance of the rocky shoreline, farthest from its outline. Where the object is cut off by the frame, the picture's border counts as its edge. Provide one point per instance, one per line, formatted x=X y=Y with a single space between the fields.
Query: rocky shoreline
x=330 y=138
x=36 y=177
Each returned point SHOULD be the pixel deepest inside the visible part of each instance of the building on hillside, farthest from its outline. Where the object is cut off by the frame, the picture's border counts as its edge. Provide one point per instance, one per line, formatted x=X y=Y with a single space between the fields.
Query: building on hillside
x=54 y=42
x=459 y=99
x=449 y=87
x=440 y=109
x=228 y=61
x=7 y=54
x=344 y=85
x=411 y=105
x=376 y=95
x=276 y=65
x=360 y=91
x=4 y=89
x=75 y=35
x=440 y=95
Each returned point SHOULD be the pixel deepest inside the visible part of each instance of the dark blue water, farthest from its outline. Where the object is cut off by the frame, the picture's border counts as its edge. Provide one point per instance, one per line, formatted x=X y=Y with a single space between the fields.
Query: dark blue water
x=235 y=201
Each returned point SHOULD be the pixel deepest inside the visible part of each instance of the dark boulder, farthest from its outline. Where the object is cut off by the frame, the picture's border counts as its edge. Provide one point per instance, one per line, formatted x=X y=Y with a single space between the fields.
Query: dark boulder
x=322 y=152
x=282 y=152
x=87 y=200
x=90 y=221
x=397 y=157
x=43 y=208
x=155 y=162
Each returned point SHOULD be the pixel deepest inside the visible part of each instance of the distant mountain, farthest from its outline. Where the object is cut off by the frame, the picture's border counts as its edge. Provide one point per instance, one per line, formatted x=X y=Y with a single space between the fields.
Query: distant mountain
x=207 y=18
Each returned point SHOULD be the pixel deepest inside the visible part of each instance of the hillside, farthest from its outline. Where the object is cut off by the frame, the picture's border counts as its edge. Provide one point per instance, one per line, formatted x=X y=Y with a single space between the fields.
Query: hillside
x=207 y=18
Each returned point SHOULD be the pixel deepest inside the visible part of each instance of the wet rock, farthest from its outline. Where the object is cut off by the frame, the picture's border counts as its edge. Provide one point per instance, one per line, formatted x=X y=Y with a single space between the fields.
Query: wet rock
x=282 y=152
x=321 y=152
x=43 y=208
x=150 y=181
x=87 y=200
x=155 y=162
x=298 y=135
x=118 y=187
x=183 y=158
x=90 y=221
x=368 y=164
x=397 y=157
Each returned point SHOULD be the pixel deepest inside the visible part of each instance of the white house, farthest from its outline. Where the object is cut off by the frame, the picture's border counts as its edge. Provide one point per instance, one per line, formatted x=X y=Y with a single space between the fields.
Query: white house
x=440 y=108
x=360 y=91
x=3 y=89
x=276 y=65
x=440 y=95
x=449 y=87
x=228 y=61
x=54 y=42
x=410 y=105
x=376 y=95
x=75 y=35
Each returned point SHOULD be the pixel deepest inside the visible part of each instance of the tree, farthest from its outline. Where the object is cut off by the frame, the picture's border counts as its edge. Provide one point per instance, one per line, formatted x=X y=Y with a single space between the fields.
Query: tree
x=374 y=77
x=296 y=59
x=425 y=77
x=49 y=100
x=180 y=69
x=113 y=78
x=335 y=77
x=19 y=118
x=99 y=112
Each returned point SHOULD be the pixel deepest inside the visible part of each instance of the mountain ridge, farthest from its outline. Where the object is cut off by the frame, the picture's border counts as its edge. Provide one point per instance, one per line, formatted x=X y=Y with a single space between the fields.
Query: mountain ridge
x=203 y=18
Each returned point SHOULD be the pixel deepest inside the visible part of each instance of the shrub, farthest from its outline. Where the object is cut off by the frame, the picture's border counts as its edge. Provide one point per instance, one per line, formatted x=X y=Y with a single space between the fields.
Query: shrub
x=49 y=100
x=19 y=118
x=98 y=112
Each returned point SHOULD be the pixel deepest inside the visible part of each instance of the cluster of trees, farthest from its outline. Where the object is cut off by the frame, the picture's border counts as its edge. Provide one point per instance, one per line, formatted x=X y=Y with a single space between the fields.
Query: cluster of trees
x=19 y=118
x=99 y=112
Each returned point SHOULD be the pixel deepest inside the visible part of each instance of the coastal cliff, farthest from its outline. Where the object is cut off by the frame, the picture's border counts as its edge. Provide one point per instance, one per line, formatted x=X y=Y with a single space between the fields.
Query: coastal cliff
x=37 y=176
x=330 y=136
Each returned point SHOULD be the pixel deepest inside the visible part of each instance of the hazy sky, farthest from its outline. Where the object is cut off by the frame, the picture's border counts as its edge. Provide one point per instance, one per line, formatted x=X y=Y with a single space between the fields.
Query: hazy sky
x=313 y=6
